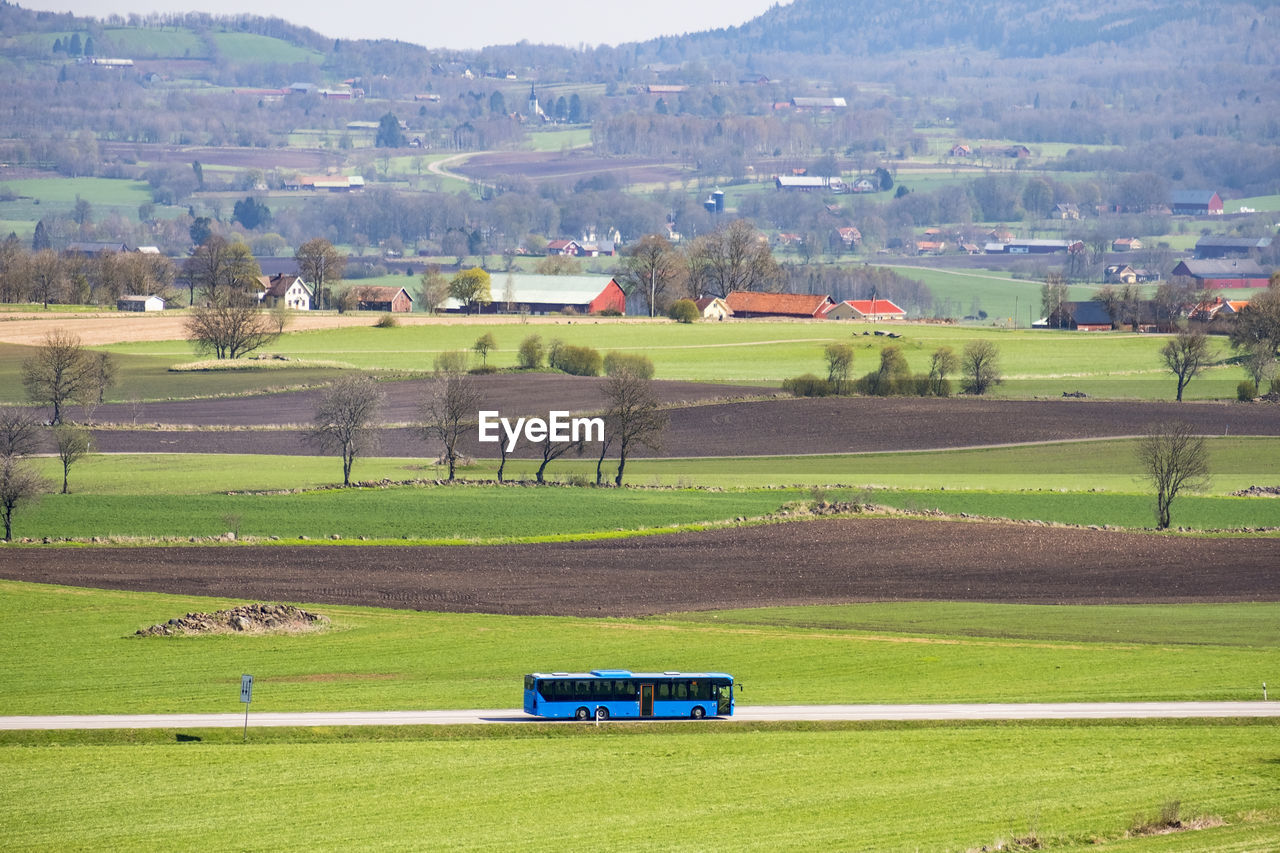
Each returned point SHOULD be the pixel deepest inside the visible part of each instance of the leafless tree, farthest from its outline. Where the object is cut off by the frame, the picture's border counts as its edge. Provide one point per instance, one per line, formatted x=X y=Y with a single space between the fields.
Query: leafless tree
x=553 y=450
x=19 y=432
x=1185 y=356
x=633 y=414
x=321 y=266
x=222 y=271
x=1173 y=457
x=450 y=408
x=942 y=362
x=72 y=444
x=980 y=366
x=736 y=257
x=19 y=484
x=345 y=419
x=47 y=277
x=839 y=362
x=58 y=371
x=651 y=269
x=230 y=328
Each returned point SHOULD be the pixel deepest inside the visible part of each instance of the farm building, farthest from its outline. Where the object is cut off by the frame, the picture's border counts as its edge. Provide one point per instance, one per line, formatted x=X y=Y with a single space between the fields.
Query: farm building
x=713 y=308
x=1197 y=203
x=1215 y=274
x=749 y=303
x=1229 y=247
x=549 y=294
x=139 y=303
x=1032 y=247
x=393 y=299
x=865 y=309
x=287 y=290
x=567 y=248
x=1086 y=316
x=93 y=249
x=808 y=183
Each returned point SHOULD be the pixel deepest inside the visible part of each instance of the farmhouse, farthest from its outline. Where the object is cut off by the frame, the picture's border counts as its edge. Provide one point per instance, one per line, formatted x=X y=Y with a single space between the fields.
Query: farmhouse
x=549 y=294
x=393 y=299
x=1126 y=244
x=139 y=303
x=287 y=290
x=849 y=236
x=749 y=303
x=566 y=248
x=1215 y=274
x=873 y=310
x=1197 y=203
x=713 y=308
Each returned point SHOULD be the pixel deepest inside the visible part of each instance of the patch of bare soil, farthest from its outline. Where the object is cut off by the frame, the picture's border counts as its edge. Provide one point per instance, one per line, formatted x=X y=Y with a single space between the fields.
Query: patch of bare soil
x=246 y=619
x=567 y=167
x=825 y=561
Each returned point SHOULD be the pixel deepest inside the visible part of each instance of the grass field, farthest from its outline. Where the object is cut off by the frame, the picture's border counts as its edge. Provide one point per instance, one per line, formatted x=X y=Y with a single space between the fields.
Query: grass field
x=884 y=788
x=752 y=351
x=174 y=496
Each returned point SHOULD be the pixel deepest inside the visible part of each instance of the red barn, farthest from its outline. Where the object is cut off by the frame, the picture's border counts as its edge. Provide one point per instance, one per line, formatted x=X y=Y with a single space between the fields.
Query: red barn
x=1226 y=272
x=394 y=299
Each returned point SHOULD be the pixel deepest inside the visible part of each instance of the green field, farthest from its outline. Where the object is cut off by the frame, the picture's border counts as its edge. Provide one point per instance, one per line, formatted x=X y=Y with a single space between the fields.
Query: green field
x=1116 y=364
x=766 y=786
x=250 y=47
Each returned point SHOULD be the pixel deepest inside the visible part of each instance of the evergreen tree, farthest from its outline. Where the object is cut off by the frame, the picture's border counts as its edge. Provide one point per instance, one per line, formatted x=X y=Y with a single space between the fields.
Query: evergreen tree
x=88 y=46
x=389 y=133
x=40 y=240
x=73 y=46
x=57 y=46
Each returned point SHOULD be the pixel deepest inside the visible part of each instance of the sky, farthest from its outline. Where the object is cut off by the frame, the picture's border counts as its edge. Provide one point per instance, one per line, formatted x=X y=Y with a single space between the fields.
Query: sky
x=461 y=24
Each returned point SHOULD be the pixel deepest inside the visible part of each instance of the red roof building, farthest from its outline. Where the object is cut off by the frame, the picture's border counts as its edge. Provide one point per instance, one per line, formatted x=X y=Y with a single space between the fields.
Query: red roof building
x=749 y=303
x=865 y=309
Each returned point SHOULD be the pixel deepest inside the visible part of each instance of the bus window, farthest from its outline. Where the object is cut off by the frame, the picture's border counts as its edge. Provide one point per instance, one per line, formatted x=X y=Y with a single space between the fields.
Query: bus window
x=664 y=690
x=681 y=690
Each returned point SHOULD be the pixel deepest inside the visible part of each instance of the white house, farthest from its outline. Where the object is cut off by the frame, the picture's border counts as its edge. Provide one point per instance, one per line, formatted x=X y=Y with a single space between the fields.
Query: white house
x=139 y=303
x=287 y=290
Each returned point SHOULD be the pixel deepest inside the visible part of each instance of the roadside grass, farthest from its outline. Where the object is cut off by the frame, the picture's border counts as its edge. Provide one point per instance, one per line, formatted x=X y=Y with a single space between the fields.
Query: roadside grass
x=891 y=788
x=379 y=659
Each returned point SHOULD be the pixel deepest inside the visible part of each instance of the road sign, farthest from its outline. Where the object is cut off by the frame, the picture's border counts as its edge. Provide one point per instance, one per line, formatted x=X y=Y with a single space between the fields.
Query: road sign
x=246 y=689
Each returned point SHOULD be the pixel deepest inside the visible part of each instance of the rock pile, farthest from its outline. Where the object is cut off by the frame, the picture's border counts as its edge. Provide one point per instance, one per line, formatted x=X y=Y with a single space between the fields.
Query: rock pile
x=248 y=619
x=1258 y=492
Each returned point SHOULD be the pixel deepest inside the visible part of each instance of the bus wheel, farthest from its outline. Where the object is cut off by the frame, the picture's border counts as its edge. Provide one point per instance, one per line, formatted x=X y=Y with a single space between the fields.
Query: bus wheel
x=699 y=712
x=582 y=714
x=602 y=713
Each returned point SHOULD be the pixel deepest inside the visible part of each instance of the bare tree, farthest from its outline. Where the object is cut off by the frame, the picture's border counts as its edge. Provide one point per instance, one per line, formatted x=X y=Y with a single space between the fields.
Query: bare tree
x=321 y=266
x=47 y=277
x=19 y=432
x=732 y=258
x=435 y=288
x=1185 y=356
x=634 y=414
x=553 y=450
x=221 y=271
x=57 y=372
x=230 y=328
x=980 y=366
x=345 y=419
x=449 y=409
x=19 y=484
x=651 y=269
x=72 y=444
x=1173 y=457
x=942 y=362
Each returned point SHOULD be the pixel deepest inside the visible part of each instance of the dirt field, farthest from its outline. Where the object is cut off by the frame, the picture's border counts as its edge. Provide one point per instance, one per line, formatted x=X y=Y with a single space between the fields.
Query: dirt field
x=566 y=168
x=810 y=562
x=781 y=426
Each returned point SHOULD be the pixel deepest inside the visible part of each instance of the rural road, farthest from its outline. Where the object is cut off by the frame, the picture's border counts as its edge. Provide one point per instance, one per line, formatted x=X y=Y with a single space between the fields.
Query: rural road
x=748 y=713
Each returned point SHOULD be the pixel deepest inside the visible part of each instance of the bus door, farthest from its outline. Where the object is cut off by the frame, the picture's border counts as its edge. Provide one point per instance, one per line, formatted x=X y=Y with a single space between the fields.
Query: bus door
x=646 y=700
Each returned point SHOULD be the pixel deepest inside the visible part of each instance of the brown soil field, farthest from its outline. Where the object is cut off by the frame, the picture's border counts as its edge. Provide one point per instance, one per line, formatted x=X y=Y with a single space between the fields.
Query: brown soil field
x=700 y=424
x=308 y=160
x=809 y=562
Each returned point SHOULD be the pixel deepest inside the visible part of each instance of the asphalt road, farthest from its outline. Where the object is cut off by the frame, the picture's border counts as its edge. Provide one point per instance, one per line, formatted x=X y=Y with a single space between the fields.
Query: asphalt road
x=746 y=713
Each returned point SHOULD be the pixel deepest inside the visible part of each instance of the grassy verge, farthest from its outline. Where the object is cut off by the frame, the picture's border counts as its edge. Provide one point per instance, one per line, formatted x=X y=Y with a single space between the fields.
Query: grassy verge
x=390 y=660
x=866 y=788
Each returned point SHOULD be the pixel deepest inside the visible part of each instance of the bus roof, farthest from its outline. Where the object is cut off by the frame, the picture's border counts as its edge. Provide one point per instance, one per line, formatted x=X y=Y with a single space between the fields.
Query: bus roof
x=626 y=673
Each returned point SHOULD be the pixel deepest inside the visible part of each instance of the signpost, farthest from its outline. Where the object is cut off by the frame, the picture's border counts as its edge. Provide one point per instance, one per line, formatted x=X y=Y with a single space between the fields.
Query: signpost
x=246 y=696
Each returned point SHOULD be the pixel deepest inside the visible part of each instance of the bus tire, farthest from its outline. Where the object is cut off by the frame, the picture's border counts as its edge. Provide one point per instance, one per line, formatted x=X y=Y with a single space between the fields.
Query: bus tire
x=698 y=712
x=583 y=713
x=602 y=713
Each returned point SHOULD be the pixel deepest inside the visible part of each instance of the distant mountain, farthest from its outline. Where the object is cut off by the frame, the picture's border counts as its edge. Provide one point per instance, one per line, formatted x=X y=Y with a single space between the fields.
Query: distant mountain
x=1009 y=28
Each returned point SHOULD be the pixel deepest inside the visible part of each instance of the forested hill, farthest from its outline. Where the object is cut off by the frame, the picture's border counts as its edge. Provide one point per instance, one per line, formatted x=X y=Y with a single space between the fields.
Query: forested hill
x=1010 y=28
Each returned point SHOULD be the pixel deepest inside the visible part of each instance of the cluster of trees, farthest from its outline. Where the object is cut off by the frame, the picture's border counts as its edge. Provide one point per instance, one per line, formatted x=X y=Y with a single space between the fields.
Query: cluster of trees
x=50 y=277
x=978 y=367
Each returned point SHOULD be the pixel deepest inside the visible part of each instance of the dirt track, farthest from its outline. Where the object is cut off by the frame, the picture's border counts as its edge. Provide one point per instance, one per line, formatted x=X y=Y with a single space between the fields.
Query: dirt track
x=795 y=563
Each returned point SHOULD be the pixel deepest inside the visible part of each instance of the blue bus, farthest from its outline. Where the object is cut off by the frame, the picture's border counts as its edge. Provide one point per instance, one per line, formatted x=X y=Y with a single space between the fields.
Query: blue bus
x=605 y=693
